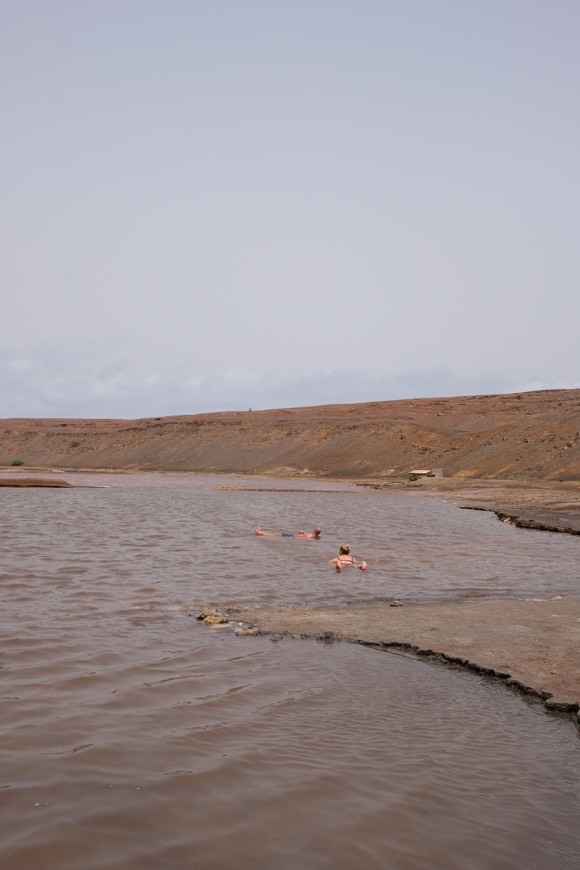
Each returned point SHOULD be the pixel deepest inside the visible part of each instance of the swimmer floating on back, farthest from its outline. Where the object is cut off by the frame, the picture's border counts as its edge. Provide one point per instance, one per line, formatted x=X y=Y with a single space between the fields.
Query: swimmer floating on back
x=344 y=558
x=315 y=534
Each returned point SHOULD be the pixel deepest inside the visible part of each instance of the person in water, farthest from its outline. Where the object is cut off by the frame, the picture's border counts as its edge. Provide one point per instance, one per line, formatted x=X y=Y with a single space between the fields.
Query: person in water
x=344 y=558
x=315 y=534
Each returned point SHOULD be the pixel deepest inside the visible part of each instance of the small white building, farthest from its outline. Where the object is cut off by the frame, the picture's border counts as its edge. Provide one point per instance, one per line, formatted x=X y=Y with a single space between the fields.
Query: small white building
x=418 y=473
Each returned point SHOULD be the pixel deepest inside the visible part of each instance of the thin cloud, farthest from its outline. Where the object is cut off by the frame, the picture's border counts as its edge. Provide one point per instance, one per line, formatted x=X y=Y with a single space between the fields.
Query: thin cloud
x=73 y=379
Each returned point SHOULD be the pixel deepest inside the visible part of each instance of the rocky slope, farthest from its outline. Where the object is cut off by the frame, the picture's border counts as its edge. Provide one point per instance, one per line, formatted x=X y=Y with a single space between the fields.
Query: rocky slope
x=523 y=436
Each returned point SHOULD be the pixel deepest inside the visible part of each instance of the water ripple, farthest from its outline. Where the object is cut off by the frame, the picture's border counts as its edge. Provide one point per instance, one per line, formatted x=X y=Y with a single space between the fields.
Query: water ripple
x=132 y=736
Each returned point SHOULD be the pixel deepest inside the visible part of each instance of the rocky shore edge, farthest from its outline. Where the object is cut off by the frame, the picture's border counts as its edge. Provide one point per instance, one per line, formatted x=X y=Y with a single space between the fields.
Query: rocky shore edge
x=556 y=525
x=540 y=505
x=531 y=645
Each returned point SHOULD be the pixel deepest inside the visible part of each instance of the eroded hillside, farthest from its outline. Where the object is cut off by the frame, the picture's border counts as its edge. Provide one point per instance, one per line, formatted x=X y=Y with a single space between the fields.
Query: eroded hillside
x=520 y=436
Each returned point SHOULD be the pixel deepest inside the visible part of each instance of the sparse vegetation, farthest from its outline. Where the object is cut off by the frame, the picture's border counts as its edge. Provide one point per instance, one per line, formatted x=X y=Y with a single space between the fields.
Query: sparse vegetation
x=75 y=443
x=17 y=462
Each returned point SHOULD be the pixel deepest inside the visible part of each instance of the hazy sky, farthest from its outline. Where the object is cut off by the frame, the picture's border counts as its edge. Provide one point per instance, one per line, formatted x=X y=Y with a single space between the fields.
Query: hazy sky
x=258 y=203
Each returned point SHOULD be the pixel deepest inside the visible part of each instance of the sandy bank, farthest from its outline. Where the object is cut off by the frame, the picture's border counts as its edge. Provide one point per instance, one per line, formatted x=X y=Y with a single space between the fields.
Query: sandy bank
x=17 y=480
x=533 y=645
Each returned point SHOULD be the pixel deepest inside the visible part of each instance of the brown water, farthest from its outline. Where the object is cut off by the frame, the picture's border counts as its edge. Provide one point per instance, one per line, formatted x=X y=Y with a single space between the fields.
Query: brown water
x=132 y=736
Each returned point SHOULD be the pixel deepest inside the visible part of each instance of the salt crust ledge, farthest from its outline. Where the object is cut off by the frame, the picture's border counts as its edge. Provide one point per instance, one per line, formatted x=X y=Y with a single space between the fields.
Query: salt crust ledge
x=534 y=645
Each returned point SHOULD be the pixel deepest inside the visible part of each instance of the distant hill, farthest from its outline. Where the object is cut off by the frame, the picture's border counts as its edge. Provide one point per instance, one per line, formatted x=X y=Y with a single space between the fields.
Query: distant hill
x=520 y=436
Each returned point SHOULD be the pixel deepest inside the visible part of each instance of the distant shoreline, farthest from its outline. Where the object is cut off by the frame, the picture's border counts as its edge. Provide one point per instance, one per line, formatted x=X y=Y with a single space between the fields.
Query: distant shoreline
x=44 y=482
x=542 y=505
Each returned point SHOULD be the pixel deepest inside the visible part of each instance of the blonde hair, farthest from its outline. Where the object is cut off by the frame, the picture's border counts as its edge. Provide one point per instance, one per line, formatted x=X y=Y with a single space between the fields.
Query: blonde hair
x=345 y=550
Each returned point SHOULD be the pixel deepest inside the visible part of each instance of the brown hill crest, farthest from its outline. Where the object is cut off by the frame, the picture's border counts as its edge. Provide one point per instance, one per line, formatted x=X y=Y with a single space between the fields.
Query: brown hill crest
x=523 y=436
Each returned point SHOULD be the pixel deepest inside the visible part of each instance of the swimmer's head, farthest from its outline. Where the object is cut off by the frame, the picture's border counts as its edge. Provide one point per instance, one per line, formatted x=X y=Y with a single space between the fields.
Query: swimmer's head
x=345 y=550
x=317 y=532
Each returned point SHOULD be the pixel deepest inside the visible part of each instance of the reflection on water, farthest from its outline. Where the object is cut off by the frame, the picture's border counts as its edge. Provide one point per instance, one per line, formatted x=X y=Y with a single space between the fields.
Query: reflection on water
x=132 y=736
